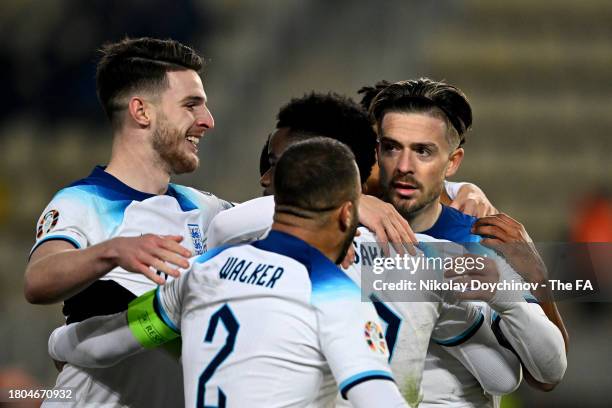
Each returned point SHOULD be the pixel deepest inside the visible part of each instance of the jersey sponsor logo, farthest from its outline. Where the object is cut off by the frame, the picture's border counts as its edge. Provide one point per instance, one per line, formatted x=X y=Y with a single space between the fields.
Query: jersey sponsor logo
x=375 y=337
x=196 y=238
x=47 y=222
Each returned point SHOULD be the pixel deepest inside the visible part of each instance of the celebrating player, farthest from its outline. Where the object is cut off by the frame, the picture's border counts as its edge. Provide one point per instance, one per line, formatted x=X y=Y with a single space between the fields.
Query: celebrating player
x=408 y=324
x=421 y=126
x=96 y=249
x=271 y=323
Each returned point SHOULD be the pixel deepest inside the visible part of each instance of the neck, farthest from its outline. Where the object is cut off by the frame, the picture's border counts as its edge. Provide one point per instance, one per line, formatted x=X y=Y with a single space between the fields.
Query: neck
x=136 y=164
x=426 y=217
x=310 y=232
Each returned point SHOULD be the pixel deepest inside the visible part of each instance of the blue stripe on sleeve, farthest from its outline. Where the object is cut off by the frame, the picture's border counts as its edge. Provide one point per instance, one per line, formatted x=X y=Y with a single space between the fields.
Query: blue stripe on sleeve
x=162 y=312
x=352 y=381
x=463 y=337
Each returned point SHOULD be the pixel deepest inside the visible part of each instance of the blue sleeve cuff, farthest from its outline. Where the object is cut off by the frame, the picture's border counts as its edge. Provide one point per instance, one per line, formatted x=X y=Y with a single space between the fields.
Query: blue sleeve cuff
x=463 y=337
x=356 y=379
x=161 y=312
x=66 y=238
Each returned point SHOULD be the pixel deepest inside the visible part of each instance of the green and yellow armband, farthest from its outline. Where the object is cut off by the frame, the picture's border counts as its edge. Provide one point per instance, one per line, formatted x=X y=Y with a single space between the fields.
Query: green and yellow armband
x=146 y=325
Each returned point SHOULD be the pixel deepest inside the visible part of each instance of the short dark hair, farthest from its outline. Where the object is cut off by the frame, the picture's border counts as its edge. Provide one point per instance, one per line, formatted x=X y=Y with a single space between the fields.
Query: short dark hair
x=316 y=175
x=425 y=95
x=369 y=93
x=334 y=116
x=139 y=64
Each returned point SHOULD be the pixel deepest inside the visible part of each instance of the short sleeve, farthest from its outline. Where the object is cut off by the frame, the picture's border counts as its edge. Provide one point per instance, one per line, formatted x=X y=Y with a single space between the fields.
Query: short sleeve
x=350 y=334
x=66 y=218
x=169 y=301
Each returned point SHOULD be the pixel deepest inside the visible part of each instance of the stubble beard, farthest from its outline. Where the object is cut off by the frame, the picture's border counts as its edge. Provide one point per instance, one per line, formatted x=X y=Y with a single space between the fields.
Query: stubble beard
x=168 y=142
x=411 y=210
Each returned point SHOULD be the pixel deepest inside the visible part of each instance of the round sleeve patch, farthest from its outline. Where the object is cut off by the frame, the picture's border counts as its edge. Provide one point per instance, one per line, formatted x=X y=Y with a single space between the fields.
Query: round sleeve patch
x=47 y=222
x=375 y=338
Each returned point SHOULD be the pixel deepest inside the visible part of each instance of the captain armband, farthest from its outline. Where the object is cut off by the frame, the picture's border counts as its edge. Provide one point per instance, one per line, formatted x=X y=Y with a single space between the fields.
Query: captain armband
x=146 y=324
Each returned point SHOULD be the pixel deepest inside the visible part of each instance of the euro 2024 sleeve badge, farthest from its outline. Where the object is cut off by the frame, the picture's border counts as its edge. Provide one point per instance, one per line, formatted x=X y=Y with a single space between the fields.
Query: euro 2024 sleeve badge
x=47 y=222
x=375 y=338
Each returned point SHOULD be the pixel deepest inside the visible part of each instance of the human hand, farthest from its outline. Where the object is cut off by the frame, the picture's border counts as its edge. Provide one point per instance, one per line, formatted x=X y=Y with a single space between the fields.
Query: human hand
x=150 y=254
x=471 y=200
x=508 y=237
x=387 y=224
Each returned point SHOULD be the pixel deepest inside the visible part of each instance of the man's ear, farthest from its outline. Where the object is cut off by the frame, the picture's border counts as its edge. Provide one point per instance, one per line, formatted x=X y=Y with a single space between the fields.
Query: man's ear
x=345 y=216
x=454 y=162
x=140 y=111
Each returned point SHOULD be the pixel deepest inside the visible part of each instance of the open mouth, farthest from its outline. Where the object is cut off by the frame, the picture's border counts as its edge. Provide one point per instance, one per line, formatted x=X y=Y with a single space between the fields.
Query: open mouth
x=405 y=189
x=194 y=141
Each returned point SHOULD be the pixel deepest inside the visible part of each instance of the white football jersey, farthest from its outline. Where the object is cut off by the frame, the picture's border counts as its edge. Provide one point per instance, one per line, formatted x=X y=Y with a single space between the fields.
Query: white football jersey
x=408 y=326
x=272 y=324
x=93 y=210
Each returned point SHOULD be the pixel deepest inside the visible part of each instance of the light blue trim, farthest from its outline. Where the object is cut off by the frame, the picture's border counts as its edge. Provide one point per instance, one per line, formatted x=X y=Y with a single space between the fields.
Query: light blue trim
x=461 y=336
x=64 y=237
x=56 y=238
x=364 y=374
x=164 y=315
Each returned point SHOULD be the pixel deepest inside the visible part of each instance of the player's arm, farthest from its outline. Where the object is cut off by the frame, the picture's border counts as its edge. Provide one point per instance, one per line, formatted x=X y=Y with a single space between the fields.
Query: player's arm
x=245 y=222
x=151 y=320
x=475 y=346
x=376 y=393
x=354 y=358
x=509 y=237
x=57 y=269
x=467 y=198
x=519 y=325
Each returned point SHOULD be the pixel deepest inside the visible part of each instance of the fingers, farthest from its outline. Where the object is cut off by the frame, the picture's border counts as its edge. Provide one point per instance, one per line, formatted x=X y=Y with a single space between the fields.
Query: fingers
x=399 y=232
x=171 y=257
x=149 y=273
x=494 y=244
x=491 y=231
x=381 y=240
x=457 y=205
x=172 y=245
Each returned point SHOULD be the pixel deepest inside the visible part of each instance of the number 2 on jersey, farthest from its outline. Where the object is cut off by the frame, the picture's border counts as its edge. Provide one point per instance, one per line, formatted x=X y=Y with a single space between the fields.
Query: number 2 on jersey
x=225 y=315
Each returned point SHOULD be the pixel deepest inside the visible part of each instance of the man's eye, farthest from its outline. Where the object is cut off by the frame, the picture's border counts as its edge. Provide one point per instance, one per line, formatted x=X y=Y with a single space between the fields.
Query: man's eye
x=389 y=147
x=423 y=151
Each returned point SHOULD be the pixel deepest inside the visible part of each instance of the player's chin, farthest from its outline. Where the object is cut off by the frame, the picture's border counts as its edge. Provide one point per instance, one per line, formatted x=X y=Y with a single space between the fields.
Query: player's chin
x=187 y=164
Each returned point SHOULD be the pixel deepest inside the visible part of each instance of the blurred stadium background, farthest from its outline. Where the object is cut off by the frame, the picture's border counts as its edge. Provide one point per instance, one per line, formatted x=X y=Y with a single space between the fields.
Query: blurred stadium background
x=538 y=74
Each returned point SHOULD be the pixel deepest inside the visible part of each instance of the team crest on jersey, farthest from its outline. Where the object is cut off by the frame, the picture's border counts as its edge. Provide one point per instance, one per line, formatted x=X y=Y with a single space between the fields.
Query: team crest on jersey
x=375 y=337
x=196 y=238
x=47 y=222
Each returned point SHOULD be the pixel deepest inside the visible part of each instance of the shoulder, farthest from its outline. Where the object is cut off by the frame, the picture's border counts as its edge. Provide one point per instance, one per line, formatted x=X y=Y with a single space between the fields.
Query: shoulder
x=454 y=226
x=245 y=222
x=330 y=283
x=190 y=198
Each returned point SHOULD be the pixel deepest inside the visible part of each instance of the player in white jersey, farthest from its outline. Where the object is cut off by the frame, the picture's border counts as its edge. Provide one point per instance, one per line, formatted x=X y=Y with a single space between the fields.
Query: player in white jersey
x=272 y=323
x=408 y=325
x=96 y=248
x=421 y=126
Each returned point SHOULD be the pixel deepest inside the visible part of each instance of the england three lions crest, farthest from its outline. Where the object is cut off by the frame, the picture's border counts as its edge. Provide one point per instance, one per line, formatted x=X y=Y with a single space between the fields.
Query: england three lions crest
x=199 y=243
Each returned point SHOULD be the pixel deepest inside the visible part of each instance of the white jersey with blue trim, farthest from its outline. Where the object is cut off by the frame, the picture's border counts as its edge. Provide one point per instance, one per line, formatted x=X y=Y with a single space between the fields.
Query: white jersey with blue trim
x=93 y=210
x=410 y=325
x=272 y=324
x=101 y=207
x=447 y=382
